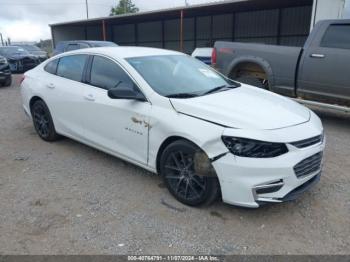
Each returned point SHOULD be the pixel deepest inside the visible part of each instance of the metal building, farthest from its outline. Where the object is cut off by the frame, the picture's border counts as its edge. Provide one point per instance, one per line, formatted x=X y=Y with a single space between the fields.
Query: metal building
x=281 y=22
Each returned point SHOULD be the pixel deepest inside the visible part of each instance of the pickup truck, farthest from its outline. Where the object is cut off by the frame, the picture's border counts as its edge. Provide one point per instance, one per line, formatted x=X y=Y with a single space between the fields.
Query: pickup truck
x=319 y=71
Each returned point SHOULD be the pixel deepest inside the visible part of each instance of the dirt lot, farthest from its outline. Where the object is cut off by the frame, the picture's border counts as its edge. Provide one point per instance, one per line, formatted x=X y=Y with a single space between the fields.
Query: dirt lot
x=67 y=198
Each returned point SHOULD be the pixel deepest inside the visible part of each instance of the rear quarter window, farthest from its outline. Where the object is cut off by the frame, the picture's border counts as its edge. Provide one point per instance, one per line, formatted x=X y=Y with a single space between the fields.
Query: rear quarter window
x=51 y=67
x=337 y=36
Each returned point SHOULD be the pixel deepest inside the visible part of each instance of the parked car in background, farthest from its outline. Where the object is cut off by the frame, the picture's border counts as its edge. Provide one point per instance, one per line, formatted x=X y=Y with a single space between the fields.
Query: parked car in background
x=203 y=54
x=66 y=46
x=173 y=115
x=36 y=51
x=319 y=71
x=19 y=59
x=5 y=72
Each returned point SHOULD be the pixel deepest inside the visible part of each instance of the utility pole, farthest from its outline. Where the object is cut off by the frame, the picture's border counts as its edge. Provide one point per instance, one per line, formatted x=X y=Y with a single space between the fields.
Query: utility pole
x=87 y=9
x=2 y=40
x=186 y=3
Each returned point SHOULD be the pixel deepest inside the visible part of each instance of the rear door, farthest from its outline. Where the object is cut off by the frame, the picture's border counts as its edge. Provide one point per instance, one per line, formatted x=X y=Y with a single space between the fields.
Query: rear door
x=65 y=94
x=117 y=125
x=324 y=72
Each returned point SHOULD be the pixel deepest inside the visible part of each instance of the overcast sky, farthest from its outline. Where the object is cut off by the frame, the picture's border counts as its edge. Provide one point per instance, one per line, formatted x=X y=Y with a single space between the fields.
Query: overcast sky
x=28 y=20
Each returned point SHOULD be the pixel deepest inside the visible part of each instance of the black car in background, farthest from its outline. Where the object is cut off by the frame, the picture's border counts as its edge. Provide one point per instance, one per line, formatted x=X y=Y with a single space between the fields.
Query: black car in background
x=19 y=59
x=36 y=51
x=66 y=46
x=5 y=72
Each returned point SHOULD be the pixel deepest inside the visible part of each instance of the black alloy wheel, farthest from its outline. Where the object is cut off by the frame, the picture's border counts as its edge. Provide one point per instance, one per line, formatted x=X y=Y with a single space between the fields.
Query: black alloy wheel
x=178 y=170
x=43 y=121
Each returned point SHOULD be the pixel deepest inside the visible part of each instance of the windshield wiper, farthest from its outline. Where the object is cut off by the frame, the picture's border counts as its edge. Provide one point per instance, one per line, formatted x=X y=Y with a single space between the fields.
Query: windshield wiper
x=182 y=95
x=219 y=88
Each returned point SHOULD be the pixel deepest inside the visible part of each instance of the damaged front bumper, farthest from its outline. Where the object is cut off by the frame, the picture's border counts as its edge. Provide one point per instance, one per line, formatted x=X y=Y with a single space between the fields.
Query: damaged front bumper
x=23 y=64
x=251 y=182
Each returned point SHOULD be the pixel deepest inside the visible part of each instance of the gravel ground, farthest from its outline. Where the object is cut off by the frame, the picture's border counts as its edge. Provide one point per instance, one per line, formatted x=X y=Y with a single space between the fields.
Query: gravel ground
x=67 y=198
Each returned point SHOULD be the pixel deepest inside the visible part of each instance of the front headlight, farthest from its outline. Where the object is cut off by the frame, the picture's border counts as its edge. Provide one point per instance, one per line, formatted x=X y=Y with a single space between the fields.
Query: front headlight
x=244 y=147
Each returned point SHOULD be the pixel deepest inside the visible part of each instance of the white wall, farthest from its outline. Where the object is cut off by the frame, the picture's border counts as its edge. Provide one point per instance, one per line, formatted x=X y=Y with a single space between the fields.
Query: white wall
x=327 y=9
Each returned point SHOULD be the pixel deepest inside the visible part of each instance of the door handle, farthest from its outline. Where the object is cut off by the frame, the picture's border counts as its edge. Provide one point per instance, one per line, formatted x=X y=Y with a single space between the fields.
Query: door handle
x=317 y=56
x=89 y=97
x=50 y=86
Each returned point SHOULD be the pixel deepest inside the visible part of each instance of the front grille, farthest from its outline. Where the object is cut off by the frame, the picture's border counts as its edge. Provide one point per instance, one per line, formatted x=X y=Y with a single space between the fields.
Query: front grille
x=308 y=165
x=307 y=142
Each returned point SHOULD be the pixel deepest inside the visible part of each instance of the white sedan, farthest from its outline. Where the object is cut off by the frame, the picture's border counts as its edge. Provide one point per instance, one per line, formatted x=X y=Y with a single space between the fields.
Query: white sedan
x=205 y=134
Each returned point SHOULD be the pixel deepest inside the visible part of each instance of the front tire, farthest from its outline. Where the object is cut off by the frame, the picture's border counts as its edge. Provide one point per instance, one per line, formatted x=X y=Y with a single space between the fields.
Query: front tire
x=43 y=122
x=177 y=169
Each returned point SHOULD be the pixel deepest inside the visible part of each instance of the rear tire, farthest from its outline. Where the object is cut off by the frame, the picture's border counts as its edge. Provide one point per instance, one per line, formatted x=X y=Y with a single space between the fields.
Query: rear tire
x=177 y=169
x=43 y=122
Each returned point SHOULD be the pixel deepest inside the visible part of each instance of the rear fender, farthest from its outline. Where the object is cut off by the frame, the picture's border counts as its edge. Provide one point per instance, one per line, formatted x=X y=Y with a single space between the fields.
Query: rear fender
x=255 y=60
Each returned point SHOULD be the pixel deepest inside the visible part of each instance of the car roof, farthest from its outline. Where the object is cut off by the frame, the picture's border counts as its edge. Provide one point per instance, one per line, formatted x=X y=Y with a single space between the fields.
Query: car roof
x=126 y=51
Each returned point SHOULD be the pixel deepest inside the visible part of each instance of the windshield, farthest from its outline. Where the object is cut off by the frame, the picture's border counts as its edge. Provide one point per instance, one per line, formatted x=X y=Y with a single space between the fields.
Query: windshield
x=171 y=75
x=13 y=50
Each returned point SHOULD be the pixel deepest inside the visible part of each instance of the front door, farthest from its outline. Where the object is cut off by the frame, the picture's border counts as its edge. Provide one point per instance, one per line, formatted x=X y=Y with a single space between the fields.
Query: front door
x=117 y=125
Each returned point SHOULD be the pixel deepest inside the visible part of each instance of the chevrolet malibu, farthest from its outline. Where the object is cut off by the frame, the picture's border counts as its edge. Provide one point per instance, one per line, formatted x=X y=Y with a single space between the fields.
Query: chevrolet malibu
x=206 y=135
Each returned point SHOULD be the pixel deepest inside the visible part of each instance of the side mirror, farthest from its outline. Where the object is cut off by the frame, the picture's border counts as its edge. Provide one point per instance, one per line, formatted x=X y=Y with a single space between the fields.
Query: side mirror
x=126 y=92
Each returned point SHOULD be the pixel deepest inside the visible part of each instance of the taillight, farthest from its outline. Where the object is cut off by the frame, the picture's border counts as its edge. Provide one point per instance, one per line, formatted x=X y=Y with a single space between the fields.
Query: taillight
x=213 y=56
x=22 y=79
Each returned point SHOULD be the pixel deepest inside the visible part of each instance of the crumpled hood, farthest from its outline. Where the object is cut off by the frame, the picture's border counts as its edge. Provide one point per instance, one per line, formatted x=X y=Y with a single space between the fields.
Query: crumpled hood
x=39 y=53
x=245 y=107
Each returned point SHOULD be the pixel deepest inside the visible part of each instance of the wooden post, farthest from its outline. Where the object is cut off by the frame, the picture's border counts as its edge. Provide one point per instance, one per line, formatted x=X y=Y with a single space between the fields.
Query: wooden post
x=104 y=30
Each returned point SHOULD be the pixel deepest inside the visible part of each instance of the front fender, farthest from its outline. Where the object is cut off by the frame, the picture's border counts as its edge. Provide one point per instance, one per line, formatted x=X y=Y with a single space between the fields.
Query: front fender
x=168 y=123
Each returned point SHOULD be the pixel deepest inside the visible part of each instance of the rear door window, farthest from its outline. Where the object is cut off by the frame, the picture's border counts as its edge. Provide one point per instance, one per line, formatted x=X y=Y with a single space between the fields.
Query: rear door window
x=337 y=36
x=72 y=67
x=107 y=74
